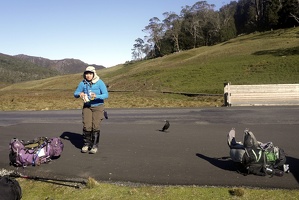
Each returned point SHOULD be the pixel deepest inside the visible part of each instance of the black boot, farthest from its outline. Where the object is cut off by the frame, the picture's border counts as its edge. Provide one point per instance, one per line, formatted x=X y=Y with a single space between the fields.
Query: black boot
x=87 y=138
x=95 y=141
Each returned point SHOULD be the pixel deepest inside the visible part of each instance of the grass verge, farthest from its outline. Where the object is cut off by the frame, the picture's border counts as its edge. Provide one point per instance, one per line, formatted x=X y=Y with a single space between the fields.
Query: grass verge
x=33 y=190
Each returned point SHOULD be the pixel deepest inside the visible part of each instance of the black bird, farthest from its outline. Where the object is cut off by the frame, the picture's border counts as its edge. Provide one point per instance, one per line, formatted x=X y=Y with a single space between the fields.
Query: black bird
x=166 y=126
x=105 y=114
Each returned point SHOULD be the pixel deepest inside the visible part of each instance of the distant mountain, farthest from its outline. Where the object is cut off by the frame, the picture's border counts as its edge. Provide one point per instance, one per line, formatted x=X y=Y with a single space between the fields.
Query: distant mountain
x=65 y=66
x=14 y=70
x=19 y=68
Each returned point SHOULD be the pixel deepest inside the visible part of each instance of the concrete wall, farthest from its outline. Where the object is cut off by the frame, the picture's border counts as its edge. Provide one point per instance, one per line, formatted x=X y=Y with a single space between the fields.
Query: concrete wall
x=261 y=95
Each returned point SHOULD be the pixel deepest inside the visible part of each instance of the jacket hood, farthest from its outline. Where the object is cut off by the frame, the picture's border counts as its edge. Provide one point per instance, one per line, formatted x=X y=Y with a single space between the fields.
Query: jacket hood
x=93 y=70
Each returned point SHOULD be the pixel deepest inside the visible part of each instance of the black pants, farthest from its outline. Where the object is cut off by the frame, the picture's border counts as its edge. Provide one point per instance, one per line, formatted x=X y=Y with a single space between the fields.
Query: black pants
x=91 y=138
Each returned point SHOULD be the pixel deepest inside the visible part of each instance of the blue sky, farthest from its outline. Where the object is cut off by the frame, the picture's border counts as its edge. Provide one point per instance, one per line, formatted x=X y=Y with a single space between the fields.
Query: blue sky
x=95 y=31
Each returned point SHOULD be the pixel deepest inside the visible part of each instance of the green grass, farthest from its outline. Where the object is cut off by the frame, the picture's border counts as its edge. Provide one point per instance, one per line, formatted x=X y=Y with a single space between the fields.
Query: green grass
x=33 y=190
x=258 y=58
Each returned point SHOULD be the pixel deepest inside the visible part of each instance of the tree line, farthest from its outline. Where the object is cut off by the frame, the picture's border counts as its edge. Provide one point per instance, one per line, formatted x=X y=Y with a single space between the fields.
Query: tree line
x=201 y=25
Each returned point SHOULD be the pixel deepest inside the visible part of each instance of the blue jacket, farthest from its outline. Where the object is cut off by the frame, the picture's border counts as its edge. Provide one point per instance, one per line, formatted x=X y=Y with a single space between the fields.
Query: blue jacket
x=99 y=88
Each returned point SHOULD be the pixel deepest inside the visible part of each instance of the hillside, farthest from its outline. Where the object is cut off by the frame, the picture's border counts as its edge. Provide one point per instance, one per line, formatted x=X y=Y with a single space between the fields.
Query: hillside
x=64 y=66
x=259 y=58
x=19 y=68
x=14 y=70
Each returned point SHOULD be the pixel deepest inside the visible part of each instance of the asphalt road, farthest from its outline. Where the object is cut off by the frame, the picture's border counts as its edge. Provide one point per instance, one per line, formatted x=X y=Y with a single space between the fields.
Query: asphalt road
x=133 y=150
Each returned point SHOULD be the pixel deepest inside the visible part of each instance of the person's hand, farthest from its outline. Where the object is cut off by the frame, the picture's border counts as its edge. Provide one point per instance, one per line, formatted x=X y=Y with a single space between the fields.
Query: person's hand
x=82 y=95
x=92 y=96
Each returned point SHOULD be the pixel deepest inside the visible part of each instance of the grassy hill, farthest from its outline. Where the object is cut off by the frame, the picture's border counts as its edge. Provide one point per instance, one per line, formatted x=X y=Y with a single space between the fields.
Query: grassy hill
x=258 y=58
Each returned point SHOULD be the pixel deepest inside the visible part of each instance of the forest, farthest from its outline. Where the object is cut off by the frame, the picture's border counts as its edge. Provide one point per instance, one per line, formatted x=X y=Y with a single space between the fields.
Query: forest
x=201 y=25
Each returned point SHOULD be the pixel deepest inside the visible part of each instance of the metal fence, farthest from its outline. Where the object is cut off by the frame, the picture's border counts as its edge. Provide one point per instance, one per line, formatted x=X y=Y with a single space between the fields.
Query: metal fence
x=261 y=95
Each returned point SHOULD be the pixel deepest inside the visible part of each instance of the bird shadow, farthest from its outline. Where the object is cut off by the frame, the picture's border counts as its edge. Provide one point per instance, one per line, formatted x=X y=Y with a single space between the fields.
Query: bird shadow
x=160 y=130
x=224 y=163
x=75 y=138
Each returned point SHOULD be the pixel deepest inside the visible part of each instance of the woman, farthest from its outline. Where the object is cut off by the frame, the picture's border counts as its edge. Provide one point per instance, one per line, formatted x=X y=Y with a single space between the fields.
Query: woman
x=93 y=91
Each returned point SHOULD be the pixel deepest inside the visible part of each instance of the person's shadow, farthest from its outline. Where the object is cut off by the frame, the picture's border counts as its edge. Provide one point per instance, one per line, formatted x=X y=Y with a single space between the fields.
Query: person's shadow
x=75 y=138
x=224 y=163
x=294 y=166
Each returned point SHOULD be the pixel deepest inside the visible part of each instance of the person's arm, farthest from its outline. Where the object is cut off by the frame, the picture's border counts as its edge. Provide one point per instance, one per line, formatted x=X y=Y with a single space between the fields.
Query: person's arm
x=79 y=90
x=103 y=89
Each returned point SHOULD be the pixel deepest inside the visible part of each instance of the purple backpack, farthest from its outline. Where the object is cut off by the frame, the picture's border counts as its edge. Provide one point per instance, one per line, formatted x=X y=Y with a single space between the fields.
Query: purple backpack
x=56 y=147
x=34 y=152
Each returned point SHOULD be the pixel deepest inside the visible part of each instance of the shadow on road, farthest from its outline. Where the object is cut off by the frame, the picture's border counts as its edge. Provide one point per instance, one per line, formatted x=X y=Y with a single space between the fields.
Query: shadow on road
x=75 y=138
x=224 y=163
x=294 y=166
